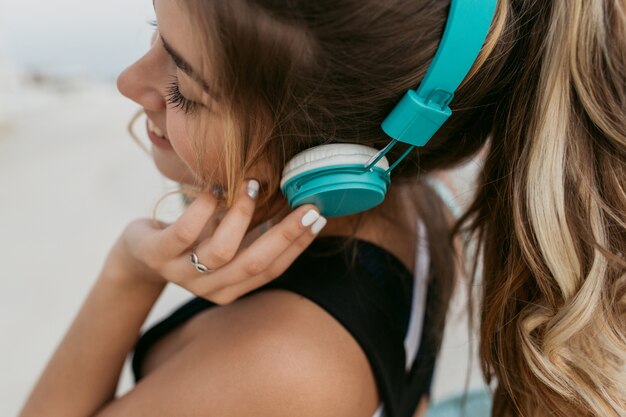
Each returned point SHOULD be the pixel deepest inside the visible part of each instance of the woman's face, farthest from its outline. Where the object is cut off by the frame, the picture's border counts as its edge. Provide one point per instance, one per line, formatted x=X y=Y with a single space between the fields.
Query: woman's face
x=152 y=82
x=171 y=59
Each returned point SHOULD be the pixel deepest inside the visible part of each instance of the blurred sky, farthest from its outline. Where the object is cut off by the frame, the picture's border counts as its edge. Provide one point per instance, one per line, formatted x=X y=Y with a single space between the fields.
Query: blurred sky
x=95 y=39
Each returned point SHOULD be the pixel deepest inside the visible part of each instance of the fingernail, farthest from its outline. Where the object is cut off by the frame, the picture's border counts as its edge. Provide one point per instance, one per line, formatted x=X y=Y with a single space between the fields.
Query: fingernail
x=253 y=189
x=310 y=217
x=217 y=191
x=318 y=225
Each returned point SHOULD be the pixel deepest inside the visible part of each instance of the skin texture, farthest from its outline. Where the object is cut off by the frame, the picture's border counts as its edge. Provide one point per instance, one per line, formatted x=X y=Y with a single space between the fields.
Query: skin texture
x=271 y=354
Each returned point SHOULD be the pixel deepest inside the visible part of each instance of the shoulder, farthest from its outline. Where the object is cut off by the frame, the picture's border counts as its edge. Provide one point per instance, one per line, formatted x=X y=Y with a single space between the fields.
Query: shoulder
x=273 y=353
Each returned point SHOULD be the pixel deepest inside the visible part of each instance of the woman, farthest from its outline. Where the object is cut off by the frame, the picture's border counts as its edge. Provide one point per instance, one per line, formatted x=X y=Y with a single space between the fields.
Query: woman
x=258 y=82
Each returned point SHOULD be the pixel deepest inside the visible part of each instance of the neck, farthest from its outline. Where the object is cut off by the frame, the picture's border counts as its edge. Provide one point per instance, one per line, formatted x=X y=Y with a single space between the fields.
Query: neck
x=390 y=225
x=393 y=212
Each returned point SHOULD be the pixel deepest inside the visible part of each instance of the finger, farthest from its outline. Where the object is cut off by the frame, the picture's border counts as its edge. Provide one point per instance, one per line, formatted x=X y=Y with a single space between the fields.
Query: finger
x=262 y=253
x=277 y=268
x=285 y=260
x=257 y=257
x=180 y=235
x=253 y=260
x=226 y=240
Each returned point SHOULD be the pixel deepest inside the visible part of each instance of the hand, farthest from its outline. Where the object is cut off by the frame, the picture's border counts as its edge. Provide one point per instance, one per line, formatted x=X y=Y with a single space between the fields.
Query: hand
x=157 y=254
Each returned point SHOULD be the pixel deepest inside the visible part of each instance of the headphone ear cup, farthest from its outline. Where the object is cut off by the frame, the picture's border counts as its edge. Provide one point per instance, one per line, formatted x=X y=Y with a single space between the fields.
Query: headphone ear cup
x=333 y=178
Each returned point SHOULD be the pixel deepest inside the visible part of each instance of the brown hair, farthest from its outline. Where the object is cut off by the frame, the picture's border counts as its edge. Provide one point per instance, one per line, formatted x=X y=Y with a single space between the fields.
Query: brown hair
x=551 y=212
x=549 y=91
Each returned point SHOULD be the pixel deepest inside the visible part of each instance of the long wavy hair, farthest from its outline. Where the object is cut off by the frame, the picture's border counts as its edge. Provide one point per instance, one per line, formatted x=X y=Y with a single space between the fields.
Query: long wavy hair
x=551 y=212
x=546 y=99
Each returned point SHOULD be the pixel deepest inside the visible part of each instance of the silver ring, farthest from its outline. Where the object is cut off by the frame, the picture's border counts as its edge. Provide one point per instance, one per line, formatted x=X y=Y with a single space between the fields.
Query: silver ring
x=196 y=263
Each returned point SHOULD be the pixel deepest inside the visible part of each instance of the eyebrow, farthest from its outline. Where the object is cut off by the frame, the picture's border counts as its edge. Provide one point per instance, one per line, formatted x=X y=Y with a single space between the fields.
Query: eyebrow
x=184 y=66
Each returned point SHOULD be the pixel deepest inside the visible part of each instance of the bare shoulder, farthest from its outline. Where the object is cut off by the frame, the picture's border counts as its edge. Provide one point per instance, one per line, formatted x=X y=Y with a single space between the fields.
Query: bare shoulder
x=273 y=353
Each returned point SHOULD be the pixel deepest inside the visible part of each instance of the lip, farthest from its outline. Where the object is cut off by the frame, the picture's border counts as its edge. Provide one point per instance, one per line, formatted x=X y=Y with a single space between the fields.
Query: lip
x=157 y=141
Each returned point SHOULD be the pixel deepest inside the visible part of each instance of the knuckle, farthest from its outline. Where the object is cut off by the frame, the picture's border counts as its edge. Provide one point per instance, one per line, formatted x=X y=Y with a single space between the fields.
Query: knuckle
x=266 y=276
x=220 y=255
x=278 y=268
x=254 y=266
x=183 y=235
x=246 y=210
x=290 y=235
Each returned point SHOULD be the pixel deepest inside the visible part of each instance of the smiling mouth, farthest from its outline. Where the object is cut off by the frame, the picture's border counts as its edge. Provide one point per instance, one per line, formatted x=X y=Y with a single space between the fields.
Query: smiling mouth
x=155 y=129
x=157 y=137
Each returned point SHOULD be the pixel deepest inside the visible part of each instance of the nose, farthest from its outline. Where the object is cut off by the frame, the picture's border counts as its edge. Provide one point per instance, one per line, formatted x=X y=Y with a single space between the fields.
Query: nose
x=142 y=81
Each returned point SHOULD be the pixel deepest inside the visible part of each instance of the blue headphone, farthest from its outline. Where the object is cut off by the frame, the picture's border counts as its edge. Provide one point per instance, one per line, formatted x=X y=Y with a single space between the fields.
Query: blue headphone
x=342 y=179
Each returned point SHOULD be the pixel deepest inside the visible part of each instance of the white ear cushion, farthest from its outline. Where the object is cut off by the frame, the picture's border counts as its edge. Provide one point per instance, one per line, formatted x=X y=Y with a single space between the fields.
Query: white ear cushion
x=331 y=154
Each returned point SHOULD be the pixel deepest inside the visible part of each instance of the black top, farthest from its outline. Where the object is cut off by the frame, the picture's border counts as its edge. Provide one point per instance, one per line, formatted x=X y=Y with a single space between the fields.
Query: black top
x=372 y=301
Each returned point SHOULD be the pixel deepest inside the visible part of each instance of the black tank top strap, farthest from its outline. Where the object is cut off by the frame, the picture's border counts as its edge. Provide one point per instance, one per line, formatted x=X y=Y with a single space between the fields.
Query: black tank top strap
x=371 y=298
x=177 y=317
x=372 y=301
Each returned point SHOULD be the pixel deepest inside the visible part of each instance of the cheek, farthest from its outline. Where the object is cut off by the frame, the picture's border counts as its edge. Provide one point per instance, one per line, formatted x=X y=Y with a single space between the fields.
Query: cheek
x=179 y=132
x=179 y=136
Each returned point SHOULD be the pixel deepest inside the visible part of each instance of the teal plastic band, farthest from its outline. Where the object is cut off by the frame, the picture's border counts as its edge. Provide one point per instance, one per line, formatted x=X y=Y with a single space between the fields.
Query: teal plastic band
x=420 y=113
x=414 y=121
x=466 y=30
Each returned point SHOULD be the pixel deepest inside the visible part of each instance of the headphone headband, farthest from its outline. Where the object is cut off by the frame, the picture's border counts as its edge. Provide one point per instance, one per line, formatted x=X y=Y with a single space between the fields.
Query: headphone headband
x=350 y=187
x=421 y=112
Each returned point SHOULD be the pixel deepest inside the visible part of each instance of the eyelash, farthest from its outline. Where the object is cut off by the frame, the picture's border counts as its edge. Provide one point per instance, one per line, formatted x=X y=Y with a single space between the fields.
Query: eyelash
x=175 y=98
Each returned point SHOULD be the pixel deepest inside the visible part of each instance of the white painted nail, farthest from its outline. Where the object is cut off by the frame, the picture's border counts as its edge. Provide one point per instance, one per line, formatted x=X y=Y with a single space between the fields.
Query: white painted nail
x=318 y=225
x=253 y=189
x=310 y=217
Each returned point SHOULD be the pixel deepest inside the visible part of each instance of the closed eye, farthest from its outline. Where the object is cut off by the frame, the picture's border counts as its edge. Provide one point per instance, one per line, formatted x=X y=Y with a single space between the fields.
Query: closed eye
x=175 y=98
